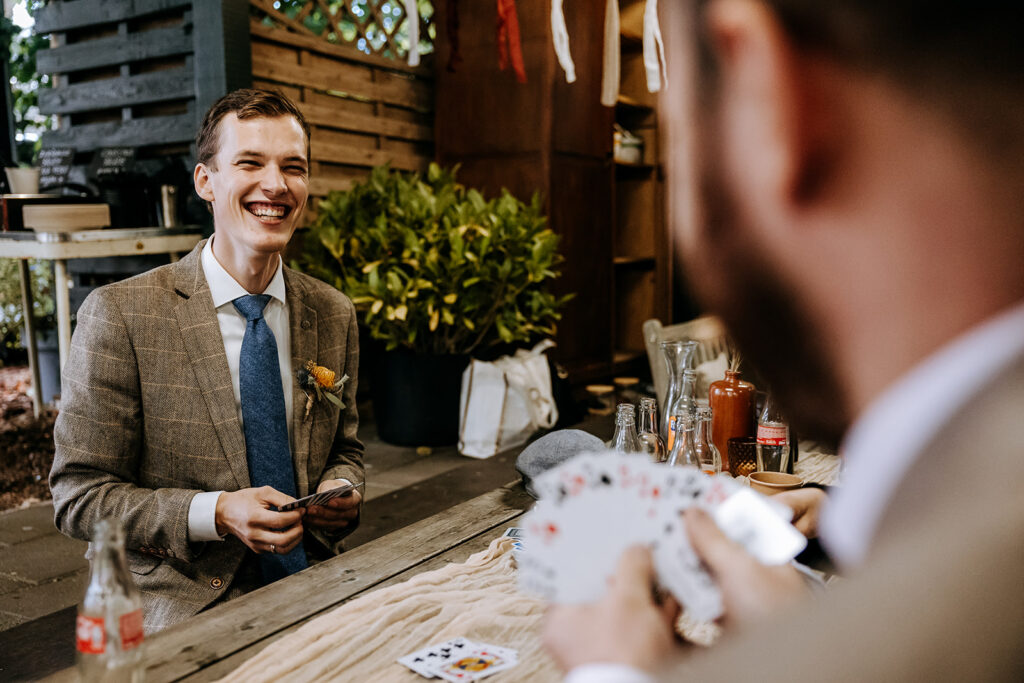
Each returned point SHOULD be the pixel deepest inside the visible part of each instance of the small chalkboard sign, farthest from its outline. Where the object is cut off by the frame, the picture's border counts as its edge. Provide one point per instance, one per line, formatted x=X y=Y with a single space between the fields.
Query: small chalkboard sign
x=54 y=166
x=110 y=161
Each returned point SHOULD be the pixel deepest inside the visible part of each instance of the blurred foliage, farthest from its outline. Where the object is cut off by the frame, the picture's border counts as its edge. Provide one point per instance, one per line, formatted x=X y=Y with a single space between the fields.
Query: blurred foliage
x=11 y=318
x=26 y=82
x=362 y=15
x=434 y=267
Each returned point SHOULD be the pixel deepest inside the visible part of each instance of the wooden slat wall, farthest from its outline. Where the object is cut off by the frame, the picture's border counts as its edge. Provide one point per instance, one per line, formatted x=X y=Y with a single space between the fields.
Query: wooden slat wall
x=363 y=110
x=123 y=74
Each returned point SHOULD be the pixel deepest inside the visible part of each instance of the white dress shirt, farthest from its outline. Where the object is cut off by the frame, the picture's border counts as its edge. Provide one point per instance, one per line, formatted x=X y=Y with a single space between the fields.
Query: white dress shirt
x=885 y=442
x=224 y=289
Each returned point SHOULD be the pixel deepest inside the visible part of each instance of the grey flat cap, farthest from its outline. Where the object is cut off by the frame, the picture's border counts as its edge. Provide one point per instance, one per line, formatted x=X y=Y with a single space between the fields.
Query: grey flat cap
x=553 y=449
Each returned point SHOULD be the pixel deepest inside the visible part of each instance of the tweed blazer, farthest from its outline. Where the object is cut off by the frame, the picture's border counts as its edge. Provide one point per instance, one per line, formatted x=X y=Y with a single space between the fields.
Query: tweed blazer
x=148 y=419
x=941 y=596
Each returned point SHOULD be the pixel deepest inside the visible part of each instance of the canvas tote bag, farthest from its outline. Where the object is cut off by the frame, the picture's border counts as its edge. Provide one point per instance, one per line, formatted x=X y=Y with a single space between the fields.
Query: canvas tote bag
x=505 y=401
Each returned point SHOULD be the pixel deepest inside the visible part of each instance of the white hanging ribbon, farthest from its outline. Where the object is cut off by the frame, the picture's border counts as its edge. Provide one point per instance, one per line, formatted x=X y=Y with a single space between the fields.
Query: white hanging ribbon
x=654 y=49
x=560 y=36
x=412 y=17
x=612 y=54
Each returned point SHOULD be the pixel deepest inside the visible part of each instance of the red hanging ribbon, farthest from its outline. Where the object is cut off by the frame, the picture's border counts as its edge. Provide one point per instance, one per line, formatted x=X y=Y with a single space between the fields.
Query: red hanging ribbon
x=508 y=39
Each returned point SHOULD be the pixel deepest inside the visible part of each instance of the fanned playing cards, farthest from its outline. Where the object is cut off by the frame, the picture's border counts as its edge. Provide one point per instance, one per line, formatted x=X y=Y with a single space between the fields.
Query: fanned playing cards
x=594 y=506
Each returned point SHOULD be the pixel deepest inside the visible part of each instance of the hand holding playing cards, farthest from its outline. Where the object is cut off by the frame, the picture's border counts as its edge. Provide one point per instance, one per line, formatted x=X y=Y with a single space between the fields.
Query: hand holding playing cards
x=247 y=514
x=806 y=505
x=625 y=627
x=750 y=590
x=336 y=513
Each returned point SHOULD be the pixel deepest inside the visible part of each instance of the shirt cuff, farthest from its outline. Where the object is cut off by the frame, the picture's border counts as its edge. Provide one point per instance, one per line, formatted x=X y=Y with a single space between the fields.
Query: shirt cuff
x=202 y=517
x=604 y=672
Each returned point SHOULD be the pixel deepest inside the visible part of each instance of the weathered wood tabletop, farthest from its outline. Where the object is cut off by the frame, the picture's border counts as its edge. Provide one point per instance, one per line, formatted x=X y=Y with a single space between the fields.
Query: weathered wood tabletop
x=214 y=643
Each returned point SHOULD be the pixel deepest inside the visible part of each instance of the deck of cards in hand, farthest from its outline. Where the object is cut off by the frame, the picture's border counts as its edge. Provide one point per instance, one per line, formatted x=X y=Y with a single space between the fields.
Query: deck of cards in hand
x=594 y=506
x=460 y=659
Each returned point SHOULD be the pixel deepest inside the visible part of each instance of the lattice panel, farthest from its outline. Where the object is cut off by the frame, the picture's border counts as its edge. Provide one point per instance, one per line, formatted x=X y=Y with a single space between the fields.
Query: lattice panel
x=375 y=27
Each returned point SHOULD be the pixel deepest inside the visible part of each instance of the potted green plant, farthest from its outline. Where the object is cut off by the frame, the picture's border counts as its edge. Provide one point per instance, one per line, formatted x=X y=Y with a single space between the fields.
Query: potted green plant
x=12 y=321
x=437 y=273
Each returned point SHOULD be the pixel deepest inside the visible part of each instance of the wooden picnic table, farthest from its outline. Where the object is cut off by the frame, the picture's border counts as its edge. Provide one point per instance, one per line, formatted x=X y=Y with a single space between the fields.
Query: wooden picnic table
x=214 y=643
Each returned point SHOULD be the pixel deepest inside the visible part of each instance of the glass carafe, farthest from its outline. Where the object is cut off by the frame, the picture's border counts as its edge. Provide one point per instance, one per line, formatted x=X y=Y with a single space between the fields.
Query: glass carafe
x=677 y=355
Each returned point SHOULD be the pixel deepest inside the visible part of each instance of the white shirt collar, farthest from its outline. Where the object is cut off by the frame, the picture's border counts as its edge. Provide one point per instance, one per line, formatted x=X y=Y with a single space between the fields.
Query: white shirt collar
x=888 y=437
x=225 y=289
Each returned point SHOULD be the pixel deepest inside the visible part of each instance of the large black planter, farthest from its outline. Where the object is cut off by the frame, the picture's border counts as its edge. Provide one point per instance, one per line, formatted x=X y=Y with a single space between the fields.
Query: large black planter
x=416 y=397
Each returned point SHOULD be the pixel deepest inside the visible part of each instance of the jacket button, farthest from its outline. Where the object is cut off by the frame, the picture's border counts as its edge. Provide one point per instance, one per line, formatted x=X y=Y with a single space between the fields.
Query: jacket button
x=306 y=324
x=216 y=582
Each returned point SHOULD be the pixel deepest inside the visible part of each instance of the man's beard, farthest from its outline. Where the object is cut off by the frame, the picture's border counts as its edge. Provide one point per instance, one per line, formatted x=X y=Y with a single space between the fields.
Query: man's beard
x=732 y=277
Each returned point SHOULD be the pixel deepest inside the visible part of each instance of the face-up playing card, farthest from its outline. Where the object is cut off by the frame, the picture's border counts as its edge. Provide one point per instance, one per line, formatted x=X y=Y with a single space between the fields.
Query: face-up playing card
x=477 y=662
x=460 y=659
x=594 y=506
x=424 y=660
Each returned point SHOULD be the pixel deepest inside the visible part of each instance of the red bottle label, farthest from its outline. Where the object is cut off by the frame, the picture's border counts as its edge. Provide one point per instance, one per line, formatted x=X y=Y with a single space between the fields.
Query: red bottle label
x=131 y=629
x=772 y=436
x=90 y=636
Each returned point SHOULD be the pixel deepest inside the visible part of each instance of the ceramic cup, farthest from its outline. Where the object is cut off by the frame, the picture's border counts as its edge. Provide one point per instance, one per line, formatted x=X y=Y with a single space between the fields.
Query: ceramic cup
x=23 y=180
x=770 y=483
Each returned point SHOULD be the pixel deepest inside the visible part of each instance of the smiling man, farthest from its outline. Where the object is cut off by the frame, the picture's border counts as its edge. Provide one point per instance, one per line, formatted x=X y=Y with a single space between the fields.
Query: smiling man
x=180 y=412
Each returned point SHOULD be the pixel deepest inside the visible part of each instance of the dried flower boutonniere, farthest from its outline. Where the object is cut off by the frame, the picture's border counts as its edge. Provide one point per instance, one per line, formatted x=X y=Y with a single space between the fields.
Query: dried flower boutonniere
x=316 y=380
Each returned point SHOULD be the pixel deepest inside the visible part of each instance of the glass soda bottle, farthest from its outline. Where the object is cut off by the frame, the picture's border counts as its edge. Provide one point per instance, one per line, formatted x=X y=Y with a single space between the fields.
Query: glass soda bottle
x=650 y=441
x=707 y=455
x=109 y=626
x=683 y=451
x=625 y=439
x=772 y=438
x=685 y=404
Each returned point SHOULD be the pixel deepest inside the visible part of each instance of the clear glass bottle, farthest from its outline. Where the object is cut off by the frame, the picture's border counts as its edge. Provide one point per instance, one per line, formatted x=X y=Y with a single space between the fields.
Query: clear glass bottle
x=686 y=404
x=650 y=441
x=683 y=451
x=677 y=355
x=109 y=626
x=772 y=438
x=707 y=454
x=625 y=439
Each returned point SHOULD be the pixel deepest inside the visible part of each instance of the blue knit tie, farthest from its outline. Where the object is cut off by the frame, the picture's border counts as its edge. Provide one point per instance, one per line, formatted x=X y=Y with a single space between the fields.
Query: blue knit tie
x=265 y=422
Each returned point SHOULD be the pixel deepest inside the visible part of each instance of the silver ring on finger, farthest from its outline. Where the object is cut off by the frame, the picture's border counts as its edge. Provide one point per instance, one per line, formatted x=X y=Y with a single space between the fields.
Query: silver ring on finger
x=273 y=548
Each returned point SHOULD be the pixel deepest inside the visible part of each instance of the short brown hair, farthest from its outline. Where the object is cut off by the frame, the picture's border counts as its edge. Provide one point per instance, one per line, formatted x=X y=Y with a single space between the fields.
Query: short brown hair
x=246 y=103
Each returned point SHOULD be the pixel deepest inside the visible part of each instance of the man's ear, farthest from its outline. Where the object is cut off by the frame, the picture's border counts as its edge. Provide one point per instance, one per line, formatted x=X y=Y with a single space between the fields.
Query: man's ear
x=201 y=180
x=770 y=115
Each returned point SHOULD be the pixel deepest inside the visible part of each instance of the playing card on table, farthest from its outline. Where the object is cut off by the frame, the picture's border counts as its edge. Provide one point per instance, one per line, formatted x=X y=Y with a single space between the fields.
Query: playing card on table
x=476 y=662
x=594 y=506
x=423 y=661
x=460 y=659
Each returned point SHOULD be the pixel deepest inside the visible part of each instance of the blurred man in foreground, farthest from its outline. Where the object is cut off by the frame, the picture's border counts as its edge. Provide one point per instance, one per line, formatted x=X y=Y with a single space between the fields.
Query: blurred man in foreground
x=860 y=231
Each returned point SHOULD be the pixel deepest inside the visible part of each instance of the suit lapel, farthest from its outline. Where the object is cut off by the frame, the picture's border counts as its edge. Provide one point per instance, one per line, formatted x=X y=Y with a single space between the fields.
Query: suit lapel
x=303 y=322
x=197 y=320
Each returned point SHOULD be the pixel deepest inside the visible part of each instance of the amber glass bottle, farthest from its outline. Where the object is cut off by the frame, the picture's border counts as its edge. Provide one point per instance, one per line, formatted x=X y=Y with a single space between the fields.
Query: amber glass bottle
x=732 y=411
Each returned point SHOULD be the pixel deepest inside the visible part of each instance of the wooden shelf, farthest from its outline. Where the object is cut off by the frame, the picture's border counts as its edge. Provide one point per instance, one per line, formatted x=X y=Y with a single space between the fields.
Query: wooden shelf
x=627 y=102
x=621 y=357
x=634 y=261
x=634 y=167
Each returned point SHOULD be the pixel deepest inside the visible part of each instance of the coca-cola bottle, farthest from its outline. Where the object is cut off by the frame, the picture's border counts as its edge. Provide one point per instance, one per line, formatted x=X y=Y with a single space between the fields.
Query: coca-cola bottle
x=109 y=627
x=625 y=439
x=772 y=438
x=650 y=441
x=685 y=404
